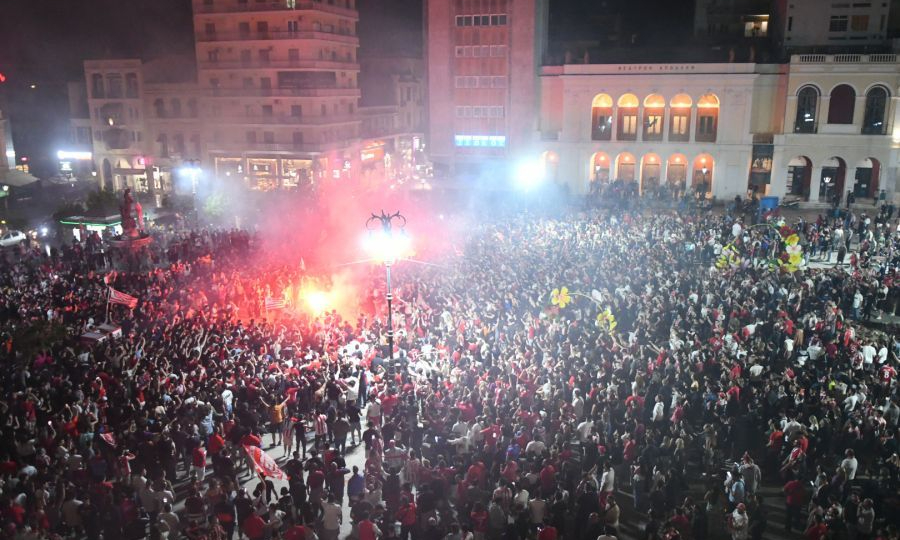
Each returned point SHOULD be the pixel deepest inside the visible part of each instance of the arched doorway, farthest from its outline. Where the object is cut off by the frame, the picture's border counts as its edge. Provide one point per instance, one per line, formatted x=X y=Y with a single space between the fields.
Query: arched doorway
x=107 y=176
x=550 y=162
x=831 y=184
x=625 y=167
x=599 y=175
x=650 y=173
x=865 y=184
x=702 y=175
x=798 y=175
x=676 y=174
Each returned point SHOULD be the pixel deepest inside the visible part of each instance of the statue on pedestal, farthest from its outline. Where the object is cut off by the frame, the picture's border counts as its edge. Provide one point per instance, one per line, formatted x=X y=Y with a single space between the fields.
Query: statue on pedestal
x=129 y=226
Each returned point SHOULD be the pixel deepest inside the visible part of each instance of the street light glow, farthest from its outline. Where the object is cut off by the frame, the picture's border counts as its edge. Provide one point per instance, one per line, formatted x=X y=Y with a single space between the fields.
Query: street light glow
x=69 y=154
x=530 y=174
x=387 y=247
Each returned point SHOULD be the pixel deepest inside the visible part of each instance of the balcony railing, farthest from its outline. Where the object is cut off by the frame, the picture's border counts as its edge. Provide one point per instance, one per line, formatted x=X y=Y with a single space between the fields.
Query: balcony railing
x=347 y=65
x=264 y=36
x=309 y=120
x=281 y=92
x=273 y=5
x=844 y=59
x=280 y=147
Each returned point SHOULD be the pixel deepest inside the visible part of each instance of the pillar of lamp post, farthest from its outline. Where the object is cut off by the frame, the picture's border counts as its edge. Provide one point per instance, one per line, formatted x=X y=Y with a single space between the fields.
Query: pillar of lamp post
x=386 y=249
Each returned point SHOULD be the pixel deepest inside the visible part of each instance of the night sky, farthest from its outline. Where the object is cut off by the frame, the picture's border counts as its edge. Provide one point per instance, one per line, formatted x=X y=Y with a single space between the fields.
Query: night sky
x=44 y=42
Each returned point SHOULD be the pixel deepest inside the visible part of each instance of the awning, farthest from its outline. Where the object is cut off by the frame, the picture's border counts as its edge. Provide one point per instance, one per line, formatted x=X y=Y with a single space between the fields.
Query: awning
x=16 y=178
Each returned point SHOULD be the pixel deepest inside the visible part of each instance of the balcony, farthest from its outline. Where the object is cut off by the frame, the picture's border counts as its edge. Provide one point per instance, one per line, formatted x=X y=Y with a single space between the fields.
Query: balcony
x=282 y=92
x=288 y=120
x=272 y=5
x=246 y=147
x=267 y=36
x=844 y=59
x=282 y=64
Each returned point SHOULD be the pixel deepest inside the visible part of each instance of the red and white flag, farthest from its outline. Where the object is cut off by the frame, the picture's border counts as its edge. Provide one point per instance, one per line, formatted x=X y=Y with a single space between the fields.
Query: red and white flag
x=264 y=464
x=109 y=438
x=118 y=297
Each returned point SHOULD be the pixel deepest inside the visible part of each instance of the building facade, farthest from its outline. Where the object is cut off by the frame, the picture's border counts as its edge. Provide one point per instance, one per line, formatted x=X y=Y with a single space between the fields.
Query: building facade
x=483 y=59
x=272 y=99
x=830 y=24
x=815 y=129
x=280 y=81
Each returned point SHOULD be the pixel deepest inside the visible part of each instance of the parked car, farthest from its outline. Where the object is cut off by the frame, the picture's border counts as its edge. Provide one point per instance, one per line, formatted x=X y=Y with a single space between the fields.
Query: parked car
x=12 y=238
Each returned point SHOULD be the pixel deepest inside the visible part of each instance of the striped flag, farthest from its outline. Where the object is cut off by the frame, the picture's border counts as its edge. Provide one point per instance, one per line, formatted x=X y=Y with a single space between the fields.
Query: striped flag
x=274 y=303
x=264 y=464
x=118 y=297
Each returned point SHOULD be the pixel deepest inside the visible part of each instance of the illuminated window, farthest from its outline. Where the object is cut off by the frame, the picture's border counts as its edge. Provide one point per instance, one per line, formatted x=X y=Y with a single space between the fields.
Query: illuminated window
x=707 y=118
x=654 y=111
x=628 y=119
x=859 y=23
x=601 y=117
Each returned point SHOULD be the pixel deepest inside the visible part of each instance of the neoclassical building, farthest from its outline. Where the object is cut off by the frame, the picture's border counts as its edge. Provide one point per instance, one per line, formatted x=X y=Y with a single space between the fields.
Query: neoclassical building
x=818 y=126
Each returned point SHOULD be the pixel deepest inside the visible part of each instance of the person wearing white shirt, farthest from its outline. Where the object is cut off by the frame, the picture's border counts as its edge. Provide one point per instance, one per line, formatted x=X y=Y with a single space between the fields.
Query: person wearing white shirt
x=850 y=464
x=535 y=447
x=659 y=410
x=331 y=519
x=584 y=430
x=868 y=352
x=578 y=404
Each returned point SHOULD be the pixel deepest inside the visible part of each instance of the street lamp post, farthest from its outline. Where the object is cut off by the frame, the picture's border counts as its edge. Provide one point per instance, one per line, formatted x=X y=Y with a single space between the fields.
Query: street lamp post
x=382 y=227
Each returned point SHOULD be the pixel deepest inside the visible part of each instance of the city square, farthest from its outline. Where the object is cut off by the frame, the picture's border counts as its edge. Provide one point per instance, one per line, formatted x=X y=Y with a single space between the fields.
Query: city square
x=458 y=269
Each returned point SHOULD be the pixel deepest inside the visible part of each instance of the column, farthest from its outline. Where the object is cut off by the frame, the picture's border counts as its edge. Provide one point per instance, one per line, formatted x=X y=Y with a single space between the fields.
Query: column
x=815 y=179
x=849 y=183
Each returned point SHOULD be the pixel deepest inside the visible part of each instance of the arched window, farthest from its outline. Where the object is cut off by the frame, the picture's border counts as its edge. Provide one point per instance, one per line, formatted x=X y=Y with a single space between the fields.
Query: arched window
x=628 y=117
x=654 y=115
x=840 y=108
x=707 y=118
x=876 y=105
x=601 y=118
x=807 y=105
x=680 y=117
x=176 y=107
x=159 y=107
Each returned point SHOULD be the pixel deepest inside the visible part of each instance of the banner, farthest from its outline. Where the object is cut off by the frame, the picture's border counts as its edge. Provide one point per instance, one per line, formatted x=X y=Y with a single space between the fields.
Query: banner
x=264 y=464
x=118 y=297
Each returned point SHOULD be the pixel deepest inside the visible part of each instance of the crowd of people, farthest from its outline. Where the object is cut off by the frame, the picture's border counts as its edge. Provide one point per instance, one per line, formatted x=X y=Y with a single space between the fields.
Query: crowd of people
x=663 y=395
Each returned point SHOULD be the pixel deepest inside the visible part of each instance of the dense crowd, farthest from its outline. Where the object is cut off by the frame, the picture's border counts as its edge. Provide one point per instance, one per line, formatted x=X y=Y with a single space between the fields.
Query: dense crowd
x=500 y=414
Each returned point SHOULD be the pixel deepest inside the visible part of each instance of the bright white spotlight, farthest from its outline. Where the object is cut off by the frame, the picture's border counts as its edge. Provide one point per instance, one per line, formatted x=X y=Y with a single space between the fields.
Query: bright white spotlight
x=387 y=247
x=530 y=174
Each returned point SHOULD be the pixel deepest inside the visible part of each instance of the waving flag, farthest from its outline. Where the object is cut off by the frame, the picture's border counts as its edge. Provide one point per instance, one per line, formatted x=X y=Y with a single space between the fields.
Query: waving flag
x=118 y=297
x=274 y=303
x=264 y=464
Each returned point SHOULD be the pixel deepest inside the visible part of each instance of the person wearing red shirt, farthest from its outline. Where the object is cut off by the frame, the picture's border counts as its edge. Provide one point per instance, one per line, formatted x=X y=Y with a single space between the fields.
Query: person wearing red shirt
x=251 y=440
x=216 y=443
x=794 y=498
x=547 y=532
x=816 y=531
x=407 y=516
x=479 y=517
x=198 y=462
x=548 y=479
x=254 y=527
x=366 y=530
